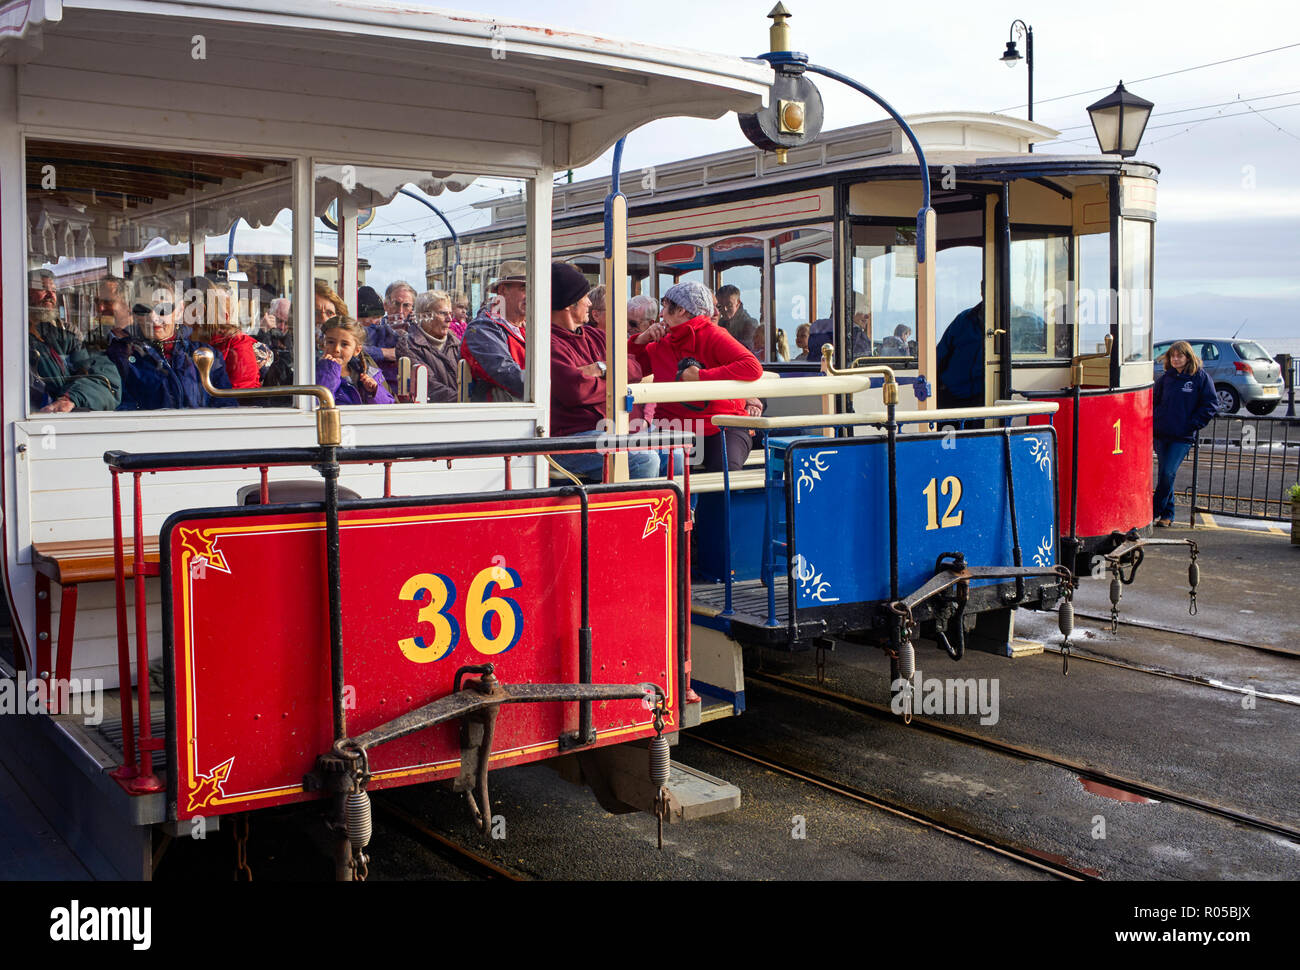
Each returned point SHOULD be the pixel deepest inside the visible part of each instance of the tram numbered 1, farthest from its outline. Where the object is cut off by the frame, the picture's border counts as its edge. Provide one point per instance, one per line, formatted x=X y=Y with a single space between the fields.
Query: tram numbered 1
x=429 y=588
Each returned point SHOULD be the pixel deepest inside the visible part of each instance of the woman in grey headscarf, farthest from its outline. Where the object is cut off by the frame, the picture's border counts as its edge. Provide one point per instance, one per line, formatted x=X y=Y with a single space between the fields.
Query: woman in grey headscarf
x=689 y=346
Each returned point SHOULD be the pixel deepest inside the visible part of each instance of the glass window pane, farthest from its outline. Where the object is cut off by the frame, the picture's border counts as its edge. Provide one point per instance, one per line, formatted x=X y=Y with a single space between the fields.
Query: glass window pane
x=1135 y=286
x=678 y=263
x=883 y=300
x=802 y=288
x=1093 y=305
x=1040 y=270
x=738 y=282
x=420 y=302
x=959 y=272
x=137 y=261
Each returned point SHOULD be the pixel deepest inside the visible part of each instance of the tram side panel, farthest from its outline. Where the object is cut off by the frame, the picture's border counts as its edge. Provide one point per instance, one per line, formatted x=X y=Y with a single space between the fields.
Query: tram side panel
x=1115 y=476
x=952 y=497
x=427 y=589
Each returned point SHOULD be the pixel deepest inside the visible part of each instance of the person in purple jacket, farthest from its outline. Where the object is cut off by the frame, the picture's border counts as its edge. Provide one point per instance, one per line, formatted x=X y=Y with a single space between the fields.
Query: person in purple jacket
x=345 y=370
x=1185 y=402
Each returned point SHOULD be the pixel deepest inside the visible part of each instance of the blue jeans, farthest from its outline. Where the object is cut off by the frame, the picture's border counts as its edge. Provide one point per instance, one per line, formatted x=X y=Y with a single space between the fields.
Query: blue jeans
x=640 y=464
x=1169 y=455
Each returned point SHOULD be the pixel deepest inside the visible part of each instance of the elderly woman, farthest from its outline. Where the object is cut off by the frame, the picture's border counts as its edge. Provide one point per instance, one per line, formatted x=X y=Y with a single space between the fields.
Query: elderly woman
x=432 y=344
x=689 y=346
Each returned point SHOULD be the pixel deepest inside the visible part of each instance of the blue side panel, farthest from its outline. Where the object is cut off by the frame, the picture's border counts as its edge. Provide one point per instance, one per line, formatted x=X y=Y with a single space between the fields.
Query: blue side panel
x=746 y=538
x=950 y=499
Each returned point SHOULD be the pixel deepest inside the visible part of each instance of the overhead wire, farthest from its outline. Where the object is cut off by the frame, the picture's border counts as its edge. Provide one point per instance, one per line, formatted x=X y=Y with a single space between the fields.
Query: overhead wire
x=1155 y=77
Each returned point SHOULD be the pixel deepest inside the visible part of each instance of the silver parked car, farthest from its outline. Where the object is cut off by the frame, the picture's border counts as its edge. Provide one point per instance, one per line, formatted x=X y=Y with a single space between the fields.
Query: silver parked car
x=1242 y=371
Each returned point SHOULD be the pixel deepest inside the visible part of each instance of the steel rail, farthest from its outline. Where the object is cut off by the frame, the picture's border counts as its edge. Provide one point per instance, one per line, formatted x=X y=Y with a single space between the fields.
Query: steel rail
x=442 y=846
x=1024 y=856
x=1082 y=769
x=1227 y=641
x=882 y=417
x=1170 y=675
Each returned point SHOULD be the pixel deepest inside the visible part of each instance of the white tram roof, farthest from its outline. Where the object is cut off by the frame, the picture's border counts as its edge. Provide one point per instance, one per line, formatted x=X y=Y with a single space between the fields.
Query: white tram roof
x=965 y=139
x=378 y=77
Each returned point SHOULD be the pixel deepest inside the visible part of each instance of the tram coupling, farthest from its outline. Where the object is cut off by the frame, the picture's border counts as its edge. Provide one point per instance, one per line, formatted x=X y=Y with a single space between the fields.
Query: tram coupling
x=1123 y=562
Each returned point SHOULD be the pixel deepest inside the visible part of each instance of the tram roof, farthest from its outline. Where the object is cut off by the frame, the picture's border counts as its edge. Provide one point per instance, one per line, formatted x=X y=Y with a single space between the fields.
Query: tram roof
x=979 y=145
x=594 y=89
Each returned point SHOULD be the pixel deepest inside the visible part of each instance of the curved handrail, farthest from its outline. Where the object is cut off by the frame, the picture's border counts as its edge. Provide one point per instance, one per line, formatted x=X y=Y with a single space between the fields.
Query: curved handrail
x=329 y=425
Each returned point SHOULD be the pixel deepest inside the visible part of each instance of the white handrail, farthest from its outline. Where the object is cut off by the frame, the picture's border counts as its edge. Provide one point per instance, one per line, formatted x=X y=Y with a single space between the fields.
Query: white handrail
x=767 y=386
x=880 y=417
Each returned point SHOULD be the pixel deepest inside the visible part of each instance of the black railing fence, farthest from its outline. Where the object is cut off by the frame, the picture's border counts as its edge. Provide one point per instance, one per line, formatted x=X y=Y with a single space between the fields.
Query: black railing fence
x=1244 y=467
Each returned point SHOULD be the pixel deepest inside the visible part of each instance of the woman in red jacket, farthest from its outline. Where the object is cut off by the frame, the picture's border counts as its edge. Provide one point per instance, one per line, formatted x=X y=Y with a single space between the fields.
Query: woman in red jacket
x=689 y=346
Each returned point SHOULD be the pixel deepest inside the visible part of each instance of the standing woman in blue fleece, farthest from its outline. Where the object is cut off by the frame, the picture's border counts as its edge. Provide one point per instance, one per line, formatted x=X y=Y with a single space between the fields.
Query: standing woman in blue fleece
x=1184 y=404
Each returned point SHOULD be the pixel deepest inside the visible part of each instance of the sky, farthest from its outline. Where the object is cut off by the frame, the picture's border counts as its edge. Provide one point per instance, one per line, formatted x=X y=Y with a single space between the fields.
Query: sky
x=1226 y=137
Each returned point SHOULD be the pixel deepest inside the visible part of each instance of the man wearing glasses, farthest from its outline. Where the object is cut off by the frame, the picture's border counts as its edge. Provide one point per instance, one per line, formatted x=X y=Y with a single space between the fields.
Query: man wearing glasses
x=156 y=359
x=382 y=337
x=64 y=375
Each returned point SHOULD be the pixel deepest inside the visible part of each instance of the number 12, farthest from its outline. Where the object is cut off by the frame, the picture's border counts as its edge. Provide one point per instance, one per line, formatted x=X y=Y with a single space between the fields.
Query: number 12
x=951 y=486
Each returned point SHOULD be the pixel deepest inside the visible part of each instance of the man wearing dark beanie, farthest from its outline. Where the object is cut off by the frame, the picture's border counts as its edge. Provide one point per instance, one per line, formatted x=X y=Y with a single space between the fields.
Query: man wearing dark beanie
x=578 y=376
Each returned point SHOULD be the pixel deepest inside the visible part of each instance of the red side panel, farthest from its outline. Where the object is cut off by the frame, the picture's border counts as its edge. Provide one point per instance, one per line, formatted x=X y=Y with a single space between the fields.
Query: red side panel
x=1115 y=448
x=426 y=589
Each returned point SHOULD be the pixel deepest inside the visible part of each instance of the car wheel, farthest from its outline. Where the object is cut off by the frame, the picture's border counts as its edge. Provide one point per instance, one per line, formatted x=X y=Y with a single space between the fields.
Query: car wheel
x=1261 y=407
x=1229 y=399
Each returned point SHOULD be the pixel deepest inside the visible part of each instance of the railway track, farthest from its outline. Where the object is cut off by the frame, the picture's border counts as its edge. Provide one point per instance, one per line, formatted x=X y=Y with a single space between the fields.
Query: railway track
x=1225 y=641
x=460 y=856
x=1170 y=675
x=1031 y=858
x=1079 y=768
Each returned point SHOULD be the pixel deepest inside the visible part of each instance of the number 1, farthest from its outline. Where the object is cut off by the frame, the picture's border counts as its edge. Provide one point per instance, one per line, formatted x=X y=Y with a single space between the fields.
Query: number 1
x=1118 y=450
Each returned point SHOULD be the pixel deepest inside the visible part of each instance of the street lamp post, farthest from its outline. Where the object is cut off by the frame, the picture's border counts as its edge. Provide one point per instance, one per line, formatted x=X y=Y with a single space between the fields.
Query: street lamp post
x=1119 y=121
x=1011 y=57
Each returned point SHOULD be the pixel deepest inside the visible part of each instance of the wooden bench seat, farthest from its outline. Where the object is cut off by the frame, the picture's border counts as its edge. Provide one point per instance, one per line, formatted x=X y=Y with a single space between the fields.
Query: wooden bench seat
x=69 y=564
x=87 y=560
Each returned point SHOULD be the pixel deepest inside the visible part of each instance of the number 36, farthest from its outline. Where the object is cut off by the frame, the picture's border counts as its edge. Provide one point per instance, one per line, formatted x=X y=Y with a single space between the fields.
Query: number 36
x=438 y=593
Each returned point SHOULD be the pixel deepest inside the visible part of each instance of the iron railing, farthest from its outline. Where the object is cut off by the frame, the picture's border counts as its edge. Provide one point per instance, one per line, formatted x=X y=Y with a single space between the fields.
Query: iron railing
x=1244 y=467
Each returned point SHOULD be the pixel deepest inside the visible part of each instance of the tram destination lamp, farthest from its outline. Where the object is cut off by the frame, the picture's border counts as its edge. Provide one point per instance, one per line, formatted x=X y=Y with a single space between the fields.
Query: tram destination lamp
x=1119 y=121
x=1011 y=57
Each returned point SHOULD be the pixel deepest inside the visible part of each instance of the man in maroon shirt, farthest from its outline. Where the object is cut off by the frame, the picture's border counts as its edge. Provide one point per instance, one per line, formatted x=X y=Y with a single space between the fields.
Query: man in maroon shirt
x=578 y=376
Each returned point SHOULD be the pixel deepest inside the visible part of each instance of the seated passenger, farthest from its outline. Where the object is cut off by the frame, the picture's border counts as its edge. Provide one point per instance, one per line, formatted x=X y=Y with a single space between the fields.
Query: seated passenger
x=112 y=313
x=277 y=327
x=218 y=326
x=328 y=304
x=156 y=358
x=688 y=346
x=801 y=334
x=459 y=314
x=642 y=313
x=382 y=335
x=64 y=375
x=896 y=344
x=345 y=370
x=578 y=376
x=597 y=297
x=432 y=344
x=494 y=342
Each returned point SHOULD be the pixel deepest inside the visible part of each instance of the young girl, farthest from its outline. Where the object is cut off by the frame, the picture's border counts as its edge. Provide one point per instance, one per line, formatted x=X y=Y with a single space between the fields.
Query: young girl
x=345 y=369
x=1185 y=401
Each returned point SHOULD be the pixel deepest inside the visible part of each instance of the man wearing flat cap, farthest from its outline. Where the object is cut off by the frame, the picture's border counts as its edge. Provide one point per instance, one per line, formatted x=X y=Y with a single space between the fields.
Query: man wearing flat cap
x=494 y=340
x=578 y=376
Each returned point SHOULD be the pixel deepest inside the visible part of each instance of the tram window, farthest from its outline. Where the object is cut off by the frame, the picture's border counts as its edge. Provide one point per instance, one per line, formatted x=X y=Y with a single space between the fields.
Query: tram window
x=802 y=284
x=738 y=262
x=678 y=263
x=1135 y=287
x=138 y=258
x=1093 y=300
x=1040 y=272
x=883 y=298
x=638 y=273
x=399 y=218
x=959 y=273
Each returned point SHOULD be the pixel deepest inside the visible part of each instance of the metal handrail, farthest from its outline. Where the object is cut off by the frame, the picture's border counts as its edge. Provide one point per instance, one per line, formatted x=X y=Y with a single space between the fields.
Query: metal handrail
x=770 y=385
x=880 y=417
